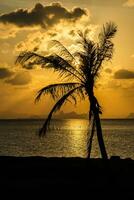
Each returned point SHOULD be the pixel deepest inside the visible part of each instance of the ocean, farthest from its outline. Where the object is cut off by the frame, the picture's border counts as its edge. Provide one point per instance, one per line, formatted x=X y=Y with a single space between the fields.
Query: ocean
x=66 y=138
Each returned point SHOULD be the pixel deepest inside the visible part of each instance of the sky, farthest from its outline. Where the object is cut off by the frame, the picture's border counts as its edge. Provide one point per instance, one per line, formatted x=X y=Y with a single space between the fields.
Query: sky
x=31 y=25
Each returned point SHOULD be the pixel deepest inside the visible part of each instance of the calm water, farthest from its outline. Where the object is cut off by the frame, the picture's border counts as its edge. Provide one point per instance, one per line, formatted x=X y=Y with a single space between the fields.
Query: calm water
x=66 y=138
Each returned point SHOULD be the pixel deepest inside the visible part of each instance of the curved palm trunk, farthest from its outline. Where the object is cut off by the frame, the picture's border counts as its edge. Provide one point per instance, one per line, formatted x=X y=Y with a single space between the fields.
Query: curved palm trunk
x=94 y=108
x=99 y=136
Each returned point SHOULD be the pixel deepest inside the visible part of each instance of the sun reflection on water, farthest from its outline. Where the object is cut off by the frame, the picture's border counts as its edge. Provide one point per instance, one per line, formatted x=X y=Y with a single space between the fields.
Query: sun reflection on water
x=77 y=134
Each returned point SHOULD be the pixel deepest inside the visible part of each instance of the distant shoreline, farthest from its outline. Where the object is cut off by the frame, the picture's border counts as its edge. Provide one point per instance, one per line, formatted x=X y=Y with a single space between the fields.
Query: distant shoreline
x=64 y=119
x=61 y=116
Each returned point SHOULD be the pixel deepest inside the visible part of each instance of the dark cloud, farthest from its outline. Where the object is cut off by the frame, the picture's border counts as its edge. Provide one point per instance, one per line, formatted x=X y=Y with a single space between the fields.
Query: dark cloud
x=5 y=73
x=44 y=16
x=20 y=79
x=124 y=74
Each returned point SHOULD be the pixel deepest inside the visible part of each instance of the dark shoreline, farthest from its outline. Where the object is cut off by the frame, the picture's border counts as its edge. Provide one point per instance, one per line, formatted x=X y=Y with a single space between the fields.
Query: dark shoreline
x=41 y=119
x=39 y=173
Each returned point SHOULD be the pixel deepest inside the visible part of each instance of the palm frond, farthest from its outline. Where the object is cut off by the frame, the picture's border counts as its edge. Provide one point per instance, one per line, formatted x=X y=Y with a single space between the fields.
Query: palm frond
x=66 y=65
x=65 y=55
x=88 y=59
x=105 y=46
x=63 y=51
x=108 y=31
x=56 y=90
x=79 y=94
x=28 y=56
x=88 y=53
x=55 y=62
x=86 y=44
x=56 y=107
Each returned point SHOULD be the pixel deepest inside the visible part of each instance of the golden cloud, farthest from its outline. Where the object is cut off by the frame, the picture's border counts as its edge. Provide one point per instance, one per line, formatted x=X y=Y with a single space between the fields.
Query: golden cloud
x=129 y=3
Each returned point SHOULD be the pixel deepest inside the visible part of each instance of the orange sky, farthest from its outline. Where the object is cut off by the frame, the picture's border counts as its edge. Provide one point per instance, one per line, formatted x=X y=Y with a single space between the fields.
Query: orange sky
x=18 y=32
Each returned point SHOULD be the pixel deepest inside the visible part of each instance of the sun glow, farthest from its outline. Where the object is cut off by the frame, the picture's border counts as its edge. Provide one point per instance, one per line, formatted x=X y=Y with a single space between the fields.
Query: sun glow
x=78 y=132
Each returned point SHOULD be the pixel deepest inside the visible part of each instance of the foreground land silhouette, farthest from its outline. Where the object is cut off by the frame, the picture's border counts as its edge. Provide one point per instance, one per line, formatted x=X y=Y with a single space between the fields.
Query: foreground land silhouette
x=40 y=173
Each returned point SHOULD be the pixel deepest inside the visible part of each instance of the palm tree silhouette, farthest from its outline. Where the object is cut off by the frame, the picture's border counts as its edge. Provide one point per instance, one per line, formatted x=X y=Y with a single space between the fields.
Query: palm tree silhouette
x=82 y=68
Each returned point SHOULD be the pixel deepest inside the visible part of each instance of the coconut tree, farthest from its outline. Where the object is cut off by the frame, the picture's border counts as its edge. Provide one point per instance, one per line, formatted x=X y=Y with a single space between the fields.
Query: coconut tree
x=79 y=72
